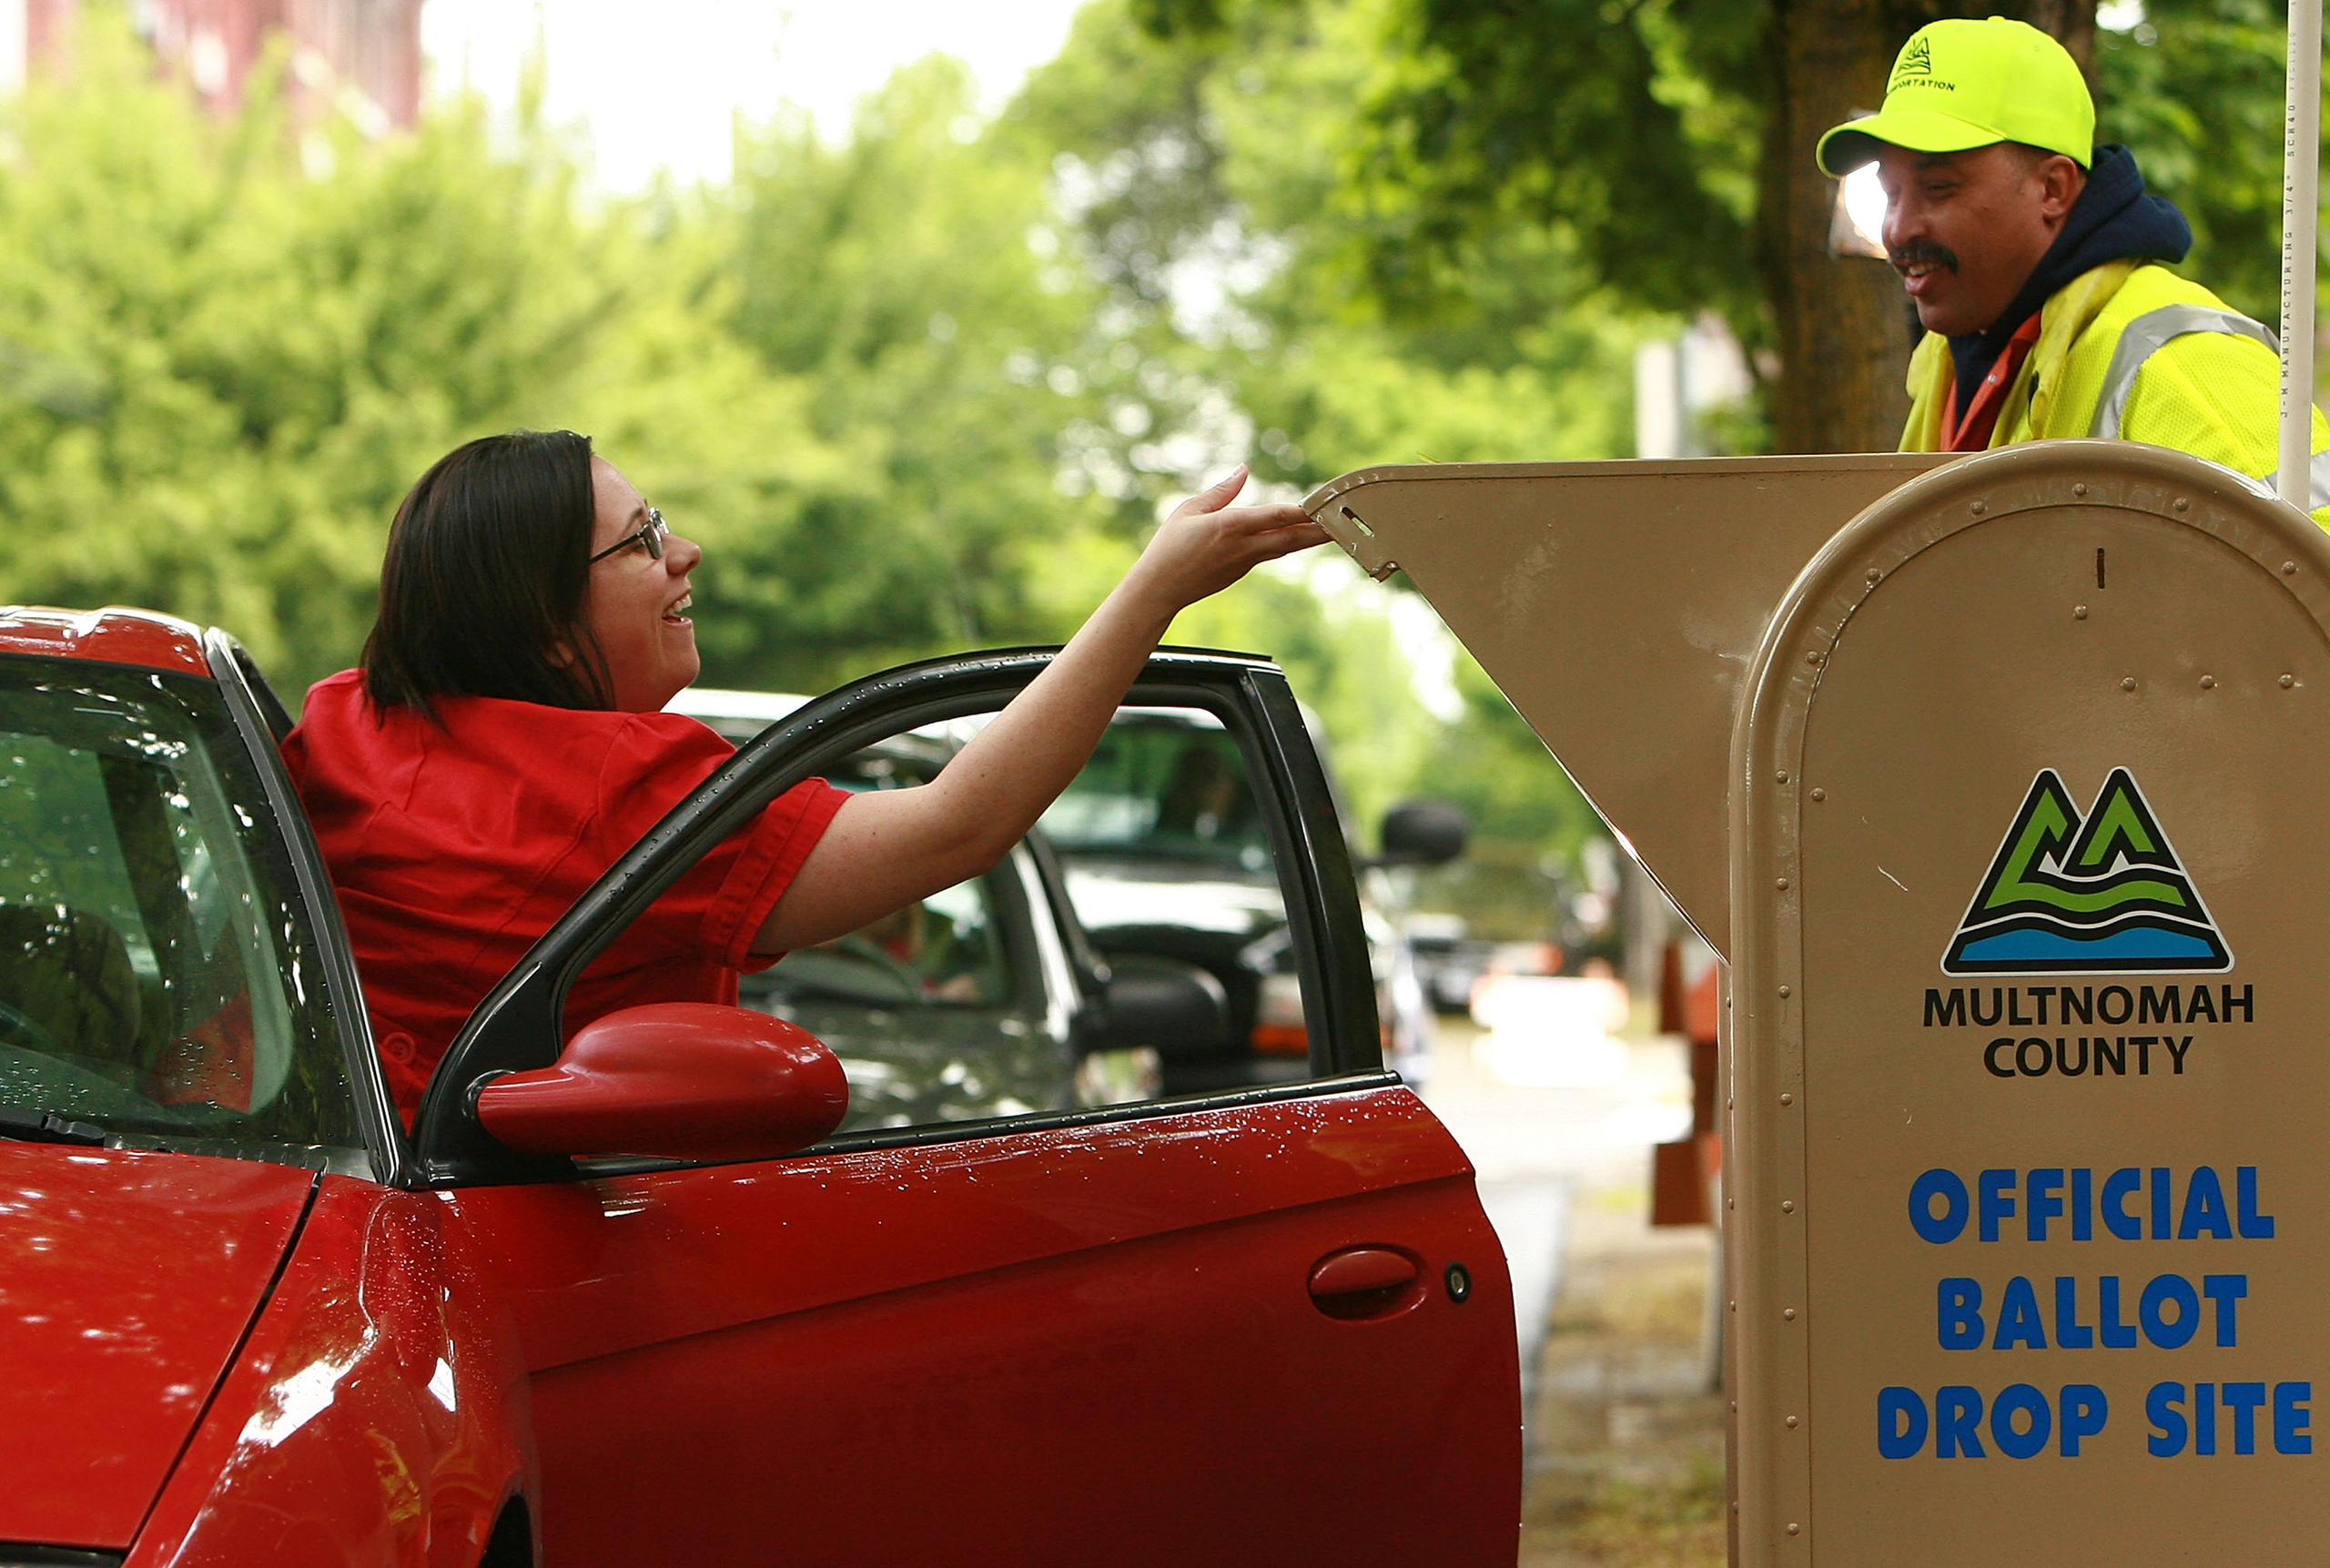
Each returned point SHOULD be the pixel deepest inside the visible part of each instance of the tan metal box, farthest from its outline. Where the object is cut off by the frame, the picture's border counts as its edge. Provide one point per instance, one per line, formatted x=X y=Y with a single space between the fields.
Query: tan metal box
x=2000 y=798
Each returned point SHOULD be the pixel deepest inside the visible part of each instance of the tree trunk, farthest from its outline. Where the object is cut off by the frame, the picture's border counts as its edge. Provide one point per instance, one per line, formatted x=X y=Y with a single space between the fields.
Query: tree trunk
x=1842 y=323
x=1844 y=346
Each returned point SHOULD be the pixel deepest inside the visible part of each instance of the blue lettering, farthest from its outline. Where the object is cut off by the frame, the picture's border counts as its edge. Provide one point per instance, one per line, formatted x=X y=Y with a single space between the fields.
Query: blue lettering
x=2020 y=1398
x=2044 y=1202
x=2255 y=1226
x=2084 y=1203
x=2225 y=1289
x=1951 y=1222
x=1958 y=1314
x=2160 y=1184
x=1956 y=1412
x=1900 y=1423
x=2243 y=1400
x=2018 y=1318
x=2291 y=1418
x=2117 y=1335
x=2069 y=1332
x=2168 y=1422
x=2085 y=1410
x=1997 y=1188
x=2167 y=1335
x=2118 y=1188
x=2205 y=1418
x=2204 y=1208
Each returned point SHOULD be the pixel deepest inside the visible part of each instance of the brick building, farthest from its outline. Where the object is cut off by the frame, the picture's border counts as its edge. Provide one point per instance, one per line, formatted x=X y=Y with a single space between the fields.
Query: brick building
x=361 y=56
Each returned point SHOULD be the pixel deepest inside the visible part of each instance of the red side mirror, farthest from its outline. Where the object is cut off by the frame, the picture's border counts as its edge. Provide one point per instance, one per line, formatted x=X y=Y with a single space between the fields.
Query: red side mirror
x=683 y=1080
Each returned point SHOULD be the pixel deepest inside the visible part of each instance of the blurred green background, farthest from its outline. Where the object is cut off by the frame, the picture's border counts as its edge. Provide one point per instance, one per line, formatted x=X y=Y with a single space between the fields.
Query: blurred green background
x=925 y=386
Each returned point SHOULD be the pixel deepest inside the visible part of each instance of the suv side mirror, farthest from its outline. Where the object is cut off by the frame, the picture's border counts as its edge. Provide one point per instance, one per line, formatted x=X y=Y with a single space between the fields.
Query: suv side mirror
x=1173 y=1009
x=678 y=1080
x=1423 y=832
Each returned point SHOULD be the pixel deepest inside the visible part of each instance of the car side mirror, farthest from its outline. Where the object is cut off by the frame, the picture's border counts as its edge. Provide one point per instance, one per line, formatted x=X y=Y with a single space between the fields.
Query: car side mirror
x=1423 y=832
x=679 y=1080
x=1173 y=1009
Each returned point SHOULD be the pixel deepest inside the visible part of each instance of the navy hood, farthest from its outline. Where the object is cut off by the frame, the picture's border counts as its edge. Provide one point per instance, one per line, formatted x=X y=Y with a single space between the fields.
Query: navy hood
x=2115 y=218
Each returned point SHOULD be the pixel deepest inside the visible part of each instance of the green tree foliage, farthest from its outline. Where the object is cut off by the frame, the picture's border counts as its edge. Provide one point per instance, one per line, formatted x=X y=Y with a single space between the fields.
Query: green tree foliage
x=2196 y=88
x=1207 y=173
x=919 y=389
x=228 y=346
x=1529 y=822
x=222 y=370
x=892 y=277
x=1219 y=161
x=1670 y=141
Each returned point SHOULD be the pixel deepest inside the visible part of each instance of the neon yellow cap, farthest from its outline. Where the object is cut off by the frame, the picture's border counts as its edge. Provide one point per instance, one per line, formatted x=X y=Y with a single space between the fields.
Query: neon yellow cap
x=1959 y=84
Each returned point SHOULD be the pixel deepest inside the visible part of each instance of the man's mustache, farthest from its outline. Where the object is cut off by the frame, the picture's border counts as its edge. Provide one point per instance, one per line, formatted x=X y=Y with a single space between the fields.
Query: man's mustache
x=1924 y=252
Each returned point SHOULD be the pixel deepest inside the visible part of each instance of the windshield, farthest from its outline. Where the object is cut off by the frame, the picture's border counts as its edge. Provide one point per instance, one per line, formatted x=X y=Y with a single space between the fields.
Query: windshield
x=1163 y=788
x=156 y=975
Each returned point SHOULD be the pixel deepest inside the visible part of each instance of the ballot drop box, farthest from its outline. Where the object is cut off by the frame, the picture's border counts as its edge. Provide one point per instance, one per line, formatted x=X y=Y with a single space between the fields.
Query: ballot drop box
x=2000 y=786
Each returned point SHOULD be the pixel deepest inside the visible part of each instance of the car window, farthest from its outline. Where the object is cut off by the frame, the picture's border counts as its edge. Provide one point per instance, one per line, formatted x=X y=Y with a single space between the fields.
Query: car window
x=1169 y=860
x=936 y=1012
x=943 y=1011
x=988 y=999
x=1163 y=785
x=157 y=977
x=1138 y=949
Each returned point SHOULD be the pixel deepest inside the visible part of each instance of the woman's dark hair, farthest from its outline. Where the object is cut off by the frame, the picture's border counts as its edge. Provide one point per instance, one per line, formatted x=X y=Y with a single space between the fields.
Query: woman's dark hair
x=481 y=589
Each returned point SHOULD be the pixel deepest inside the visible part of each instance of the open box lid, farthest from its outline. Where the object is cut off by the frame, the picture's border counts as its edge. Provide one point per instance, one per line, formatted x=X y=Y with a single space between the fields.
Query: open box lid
x=1618 y=606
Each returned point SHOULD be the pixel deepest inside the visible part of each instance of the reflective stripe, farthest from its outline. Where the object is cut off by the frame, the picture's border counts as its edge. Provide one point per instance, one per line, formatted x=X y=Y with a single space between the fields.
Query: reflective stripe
x=2318 y=492
x=2145 y=336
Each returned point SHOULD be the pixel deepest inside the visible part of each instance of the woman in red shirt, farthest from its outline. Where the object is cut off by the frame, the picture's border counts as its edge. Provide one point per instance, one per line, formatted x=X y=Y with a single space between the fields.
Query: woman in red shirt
x=504 y=742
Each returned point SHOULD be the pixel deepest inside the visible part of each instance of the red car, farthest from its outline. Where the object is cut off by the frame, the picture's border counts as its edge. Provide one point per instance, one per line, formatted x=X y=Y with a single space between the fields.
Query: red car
x=631 y=1299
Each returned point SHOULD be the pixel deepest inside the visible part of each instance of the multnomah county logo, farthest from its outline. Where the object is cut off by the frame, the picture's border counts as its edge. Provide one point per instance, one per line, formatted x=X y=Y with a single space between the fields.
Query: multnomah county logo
x=2103 y=895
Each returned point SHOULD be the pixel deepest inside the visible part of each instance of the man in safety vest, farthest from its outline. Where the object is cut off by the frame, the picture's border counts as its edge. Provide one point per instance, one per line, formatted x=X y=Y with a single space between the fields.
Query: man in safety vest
x=2035 y=259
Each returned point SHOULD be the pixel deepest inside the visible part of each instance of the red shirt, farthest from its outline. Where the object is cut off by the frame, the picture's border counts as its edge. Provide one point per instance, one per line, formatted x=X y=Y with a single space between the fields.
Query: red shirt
x=1972 y=433
x=453 y=849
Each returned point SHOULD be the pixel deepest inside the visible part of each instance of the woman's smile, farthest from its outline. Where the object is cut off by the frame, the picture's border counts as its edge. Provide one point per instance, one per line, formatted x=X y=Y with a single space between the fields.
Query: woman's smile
x=638 y=604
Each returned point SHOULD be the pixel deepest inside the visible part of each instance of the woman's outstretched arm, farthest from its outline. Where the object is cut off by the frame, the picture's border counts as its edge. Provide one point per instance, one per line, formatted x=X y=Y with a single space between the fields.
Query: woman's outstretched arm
x=886 y=849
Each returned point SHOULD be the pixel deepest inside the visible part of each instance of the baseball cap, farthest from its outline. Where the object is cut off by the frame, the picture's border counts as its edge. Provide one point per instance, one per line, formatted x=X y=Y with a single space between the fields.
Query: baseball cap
x=1963 y=84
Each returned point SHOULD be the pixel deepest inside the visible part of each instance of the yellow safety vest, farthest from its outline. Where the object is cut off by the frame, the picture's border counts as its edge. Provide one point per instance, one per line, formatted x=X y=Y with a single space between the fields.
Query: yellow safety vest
x=2128 y=349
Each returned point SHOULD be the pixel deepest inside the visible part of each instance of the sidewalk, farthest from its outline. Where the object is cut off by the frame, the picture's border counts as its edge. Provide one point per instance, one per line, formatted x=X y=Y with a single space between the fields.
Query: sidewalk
x=1626 y=1468
x=1624 y=1449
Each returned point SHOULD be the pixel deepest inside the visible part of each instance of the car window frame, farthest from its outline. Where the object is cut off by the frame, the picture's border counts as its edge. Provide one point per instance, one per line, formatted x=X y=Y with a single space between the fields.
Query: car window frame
x=519 y=1024
x=261 y=721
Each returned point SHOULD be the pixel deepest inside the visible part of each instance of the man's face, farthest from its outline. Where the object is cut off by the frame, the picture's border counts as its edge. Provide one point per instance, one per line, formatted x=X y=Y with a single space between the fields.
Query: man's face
x=1965 y=229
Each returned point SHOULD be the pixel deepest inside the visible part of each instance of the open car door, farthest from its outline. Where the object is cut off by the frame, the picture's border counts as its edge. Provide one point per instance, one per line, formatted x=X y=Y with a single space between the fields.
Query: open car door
x=1269 y=1324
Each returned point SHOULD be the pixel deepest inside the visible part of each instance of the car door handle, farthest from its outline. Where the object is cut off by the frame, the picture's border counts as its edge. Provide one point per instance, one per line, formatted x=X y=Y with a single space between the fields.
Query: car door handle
x=1360 y=1282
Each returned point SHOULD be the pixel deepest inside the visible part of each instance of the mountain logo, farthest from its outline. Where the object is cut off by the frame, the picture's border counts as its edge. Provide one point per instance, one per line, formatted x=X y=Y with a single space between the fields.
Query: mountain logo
x=2103 y=895
x=1916 y=60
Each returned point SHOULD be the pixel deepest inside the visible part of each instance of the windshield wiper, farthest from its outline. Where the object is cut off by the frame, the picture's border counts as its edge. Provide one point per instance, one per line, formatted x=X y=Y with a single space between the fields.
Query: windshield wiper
x=47 y=1127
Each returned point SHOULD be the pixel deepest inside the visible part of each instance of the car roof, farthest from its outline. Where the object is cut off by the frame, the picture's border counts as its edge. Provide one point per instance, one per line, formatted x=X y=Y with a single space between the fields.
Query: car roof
x=713 y=703
x=114 y=636
x=739 y=716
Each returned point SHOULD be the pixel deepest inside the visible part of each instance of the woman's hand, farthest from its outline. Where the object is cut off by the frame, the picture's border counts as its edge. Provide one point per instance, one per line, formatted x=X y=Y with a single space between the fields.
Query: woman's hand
x=888 y=848
x=1207 y=544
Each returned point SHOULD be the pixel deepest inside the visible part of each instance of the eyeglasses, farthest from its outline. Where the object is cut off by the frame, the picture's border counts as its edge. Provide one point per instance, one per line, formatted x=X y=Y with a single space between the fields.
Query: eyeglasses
x=649 y=538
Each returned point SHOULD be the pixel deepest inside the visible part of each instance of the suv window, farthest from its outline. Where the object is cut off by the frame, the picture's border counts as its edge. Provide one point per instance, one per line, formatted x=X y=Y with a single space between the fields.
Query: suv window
x=157 y=975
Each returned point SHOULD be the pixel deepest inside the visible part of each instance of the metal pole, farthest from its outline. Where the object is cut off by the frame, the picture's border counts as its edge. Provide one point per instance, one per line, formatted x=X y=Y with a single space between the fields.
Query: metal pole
x=2301 y=210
